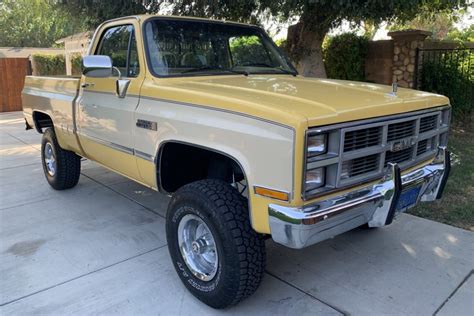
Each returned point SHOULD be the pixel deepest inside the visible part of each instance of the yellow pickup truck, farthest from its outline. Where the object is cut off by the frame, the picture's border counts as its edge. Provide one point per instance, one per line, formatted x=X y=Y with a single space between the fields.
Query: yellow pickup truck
x=214 y=114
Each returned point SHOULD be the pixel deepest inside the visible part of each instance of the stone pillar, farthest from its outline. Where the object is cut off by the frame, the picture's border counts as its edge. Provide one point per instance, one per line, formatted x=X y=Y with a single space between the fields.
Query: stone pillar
x=405 y=44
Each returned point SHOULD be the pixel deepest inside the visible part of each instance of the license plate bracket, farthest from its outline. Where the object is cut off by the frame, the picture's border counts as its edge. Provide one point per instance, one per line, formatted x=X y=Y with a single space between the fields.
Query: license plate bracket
x=408 y=198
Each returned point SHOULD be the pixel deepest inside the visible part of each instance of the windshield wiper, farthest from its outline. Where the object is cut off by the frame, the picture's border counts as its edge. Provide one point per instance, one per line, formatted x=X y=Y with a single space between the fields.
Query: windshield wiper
x=203 y=68
x=293 y=73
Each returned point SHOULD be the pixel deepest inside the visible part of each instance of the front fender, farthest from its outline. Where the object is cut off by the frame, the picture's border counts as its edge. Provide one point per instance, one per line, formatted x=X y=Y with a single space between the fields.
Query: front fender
x=264 y=150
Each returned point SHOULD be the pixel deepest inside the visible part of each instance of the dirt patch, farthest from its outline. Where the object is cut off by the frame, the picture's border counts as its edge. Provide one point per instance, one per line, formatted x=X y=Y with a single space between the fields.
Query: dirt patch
x=26 y=248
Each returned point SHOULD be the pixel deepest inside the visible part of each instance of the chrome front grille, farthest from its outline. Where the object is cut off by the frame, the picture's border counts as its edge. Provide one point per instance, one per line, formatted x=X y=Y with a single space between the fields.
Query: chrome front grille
x=405 y=141
x=398 y=156
x=362 y=138
x=422 y=147
x=428 y=123
x=401 y=130
x=358 y=166
x=359 y=152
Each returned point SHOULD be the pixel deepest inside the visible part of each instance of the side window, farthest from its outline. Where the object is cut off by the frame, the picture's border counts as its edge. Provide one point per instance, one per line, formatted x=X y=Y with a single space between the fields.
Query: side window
x=133 y=65
x=120 y=44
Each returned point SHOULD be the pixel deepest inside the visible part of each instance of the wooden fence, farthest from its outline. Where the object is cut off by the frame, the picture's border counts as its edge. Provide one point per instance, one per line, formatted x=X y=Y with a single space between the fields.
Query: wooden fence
x=12 y=78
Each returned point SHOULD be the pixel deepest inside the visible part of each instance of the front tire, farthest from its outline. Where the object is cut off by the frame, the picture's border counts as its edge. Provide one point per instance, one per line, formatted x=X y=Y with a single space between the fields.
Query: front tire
x=216 y=253
x=62 y=168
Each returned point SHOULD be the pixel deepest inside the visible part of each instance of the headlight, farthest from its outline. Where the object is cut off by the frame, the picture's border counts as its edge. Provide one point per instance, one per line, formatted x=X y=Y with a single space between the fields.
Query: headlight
x=317 y=145
x=320 y=161
x=315 y=178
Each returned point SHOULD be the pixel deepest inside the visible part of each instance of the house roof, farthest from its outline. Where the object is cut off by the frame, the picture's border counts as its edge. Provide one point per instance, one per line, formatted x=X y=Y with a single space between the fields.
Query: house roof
x=76 y=37
x=25 y=52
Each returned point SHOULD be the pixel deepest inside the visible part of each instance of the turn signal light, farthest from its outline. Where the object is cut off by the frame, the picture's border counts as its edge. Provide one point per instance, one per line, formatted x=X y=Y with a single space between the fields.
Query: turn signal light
x=279 y=195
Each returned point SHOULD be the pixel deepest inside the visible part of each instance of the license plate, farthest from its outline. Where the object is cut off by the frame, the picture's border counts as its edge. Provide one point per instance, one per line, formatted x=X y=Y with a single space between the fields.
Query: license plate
x=408 y=198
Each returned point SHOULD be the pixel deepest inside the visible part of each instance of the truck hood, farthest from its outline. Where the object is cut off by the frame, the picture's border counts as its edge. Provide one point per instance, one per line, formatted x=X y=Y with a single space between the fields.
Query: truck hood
x=287 y=99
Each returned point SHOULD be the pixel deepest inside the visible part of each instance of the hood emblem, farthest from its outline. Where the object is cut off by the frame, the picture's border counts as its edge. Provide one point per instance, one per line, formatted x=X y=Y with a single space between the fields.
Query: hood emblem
x=394 y=90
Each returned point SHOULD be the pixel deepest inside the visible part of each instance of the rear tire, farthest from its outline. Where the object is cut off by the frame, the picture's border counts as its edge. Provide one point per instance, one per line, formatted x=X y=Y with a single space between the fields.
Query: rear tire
x=234 y=254
x=62 y=168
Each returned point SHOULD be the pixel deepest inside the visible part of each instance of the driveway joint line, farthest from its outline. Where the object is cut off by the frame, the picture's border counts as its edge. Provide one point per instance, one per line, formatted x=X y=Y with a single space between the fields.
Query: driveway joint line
x=21 y=140
x=309 y=294
x=21 y=166
x=454 y=292
x=82 y=275
x=24 y=204
x=125 y=196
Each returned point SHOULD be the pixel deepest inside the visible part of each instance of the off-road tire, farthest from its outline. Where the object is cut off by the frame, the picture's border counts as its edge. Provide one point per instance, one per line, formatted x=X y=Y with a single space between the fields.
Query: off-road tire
x=240 y=249
x=68 y=164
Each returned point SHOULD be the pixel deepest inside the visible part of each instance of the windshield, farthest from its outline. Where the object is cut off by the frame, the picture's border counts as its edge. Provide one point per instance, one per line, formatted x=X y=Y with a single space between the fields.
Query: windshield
x=180 y=47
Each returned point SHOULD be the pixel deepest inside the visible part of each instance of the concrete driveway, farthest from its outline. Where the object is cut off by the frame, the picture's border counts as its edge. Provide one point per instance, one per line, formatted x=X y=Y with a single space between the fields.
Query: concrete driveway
x=100 y=248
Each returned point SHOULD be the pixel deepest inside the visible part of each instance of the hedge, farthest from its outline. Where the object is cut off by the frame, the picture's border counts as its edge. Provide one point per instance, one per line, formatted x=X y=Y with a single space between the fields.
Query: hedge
x=49 y=65
x=344 y=56
x=76 y=64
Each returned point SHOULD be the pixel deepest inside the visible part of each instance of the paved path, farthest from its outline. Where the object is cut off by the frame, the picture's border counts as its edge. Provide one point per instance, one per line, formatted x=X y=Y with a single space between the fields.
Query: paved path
x=101 y=248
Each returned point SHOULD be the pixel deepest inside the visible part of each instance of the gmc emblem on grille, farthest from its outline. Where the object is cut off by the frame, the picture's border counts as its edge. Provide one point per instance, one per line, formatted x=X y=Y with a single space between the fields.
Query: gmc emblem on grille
x=403 y=144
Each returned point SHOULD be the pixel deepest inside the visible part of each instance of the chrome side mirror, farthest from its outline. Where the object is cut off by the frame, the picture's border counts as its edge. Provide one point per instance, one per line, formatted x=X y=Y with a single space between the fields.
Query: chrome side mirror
x=121 y=87
x=100 y=66
x=97 y=66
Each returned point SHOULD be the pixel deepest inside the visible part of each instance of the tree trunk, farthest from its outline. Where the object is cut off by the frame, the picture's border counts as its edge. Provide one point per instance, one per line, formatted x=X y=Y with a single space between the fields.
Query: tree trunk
x=304 y=45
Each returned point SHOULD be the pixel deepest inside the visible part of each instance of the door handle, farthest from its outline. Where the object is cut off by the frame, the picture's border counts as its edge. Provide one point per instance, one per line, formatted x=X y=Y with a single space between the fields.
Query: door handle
x=87 y=85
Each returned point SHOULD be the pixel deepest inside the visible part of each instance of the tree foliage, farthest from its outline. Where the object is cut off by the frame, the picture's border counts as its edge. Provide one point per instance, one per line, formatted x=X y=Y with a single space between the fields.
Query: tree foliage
x=344 y=56
x=466 y=35
x=317 y=17
x=439 y=23
x=94 y=12
x=34 y=23
x=240 y=11
x=325 y=14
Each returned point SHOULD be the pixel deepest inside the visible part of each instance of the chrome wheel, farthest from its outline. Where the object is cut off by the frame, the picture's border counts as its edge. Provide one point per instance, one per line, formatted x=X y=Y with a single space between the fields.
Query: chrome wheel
x=198 y=247
x=49 y=159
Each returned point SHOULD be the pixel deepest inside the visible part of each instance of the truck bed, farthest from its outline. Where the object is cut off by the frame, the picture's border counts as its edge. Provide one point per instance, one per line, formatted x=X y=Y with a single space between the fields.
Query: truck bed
x=54 y=96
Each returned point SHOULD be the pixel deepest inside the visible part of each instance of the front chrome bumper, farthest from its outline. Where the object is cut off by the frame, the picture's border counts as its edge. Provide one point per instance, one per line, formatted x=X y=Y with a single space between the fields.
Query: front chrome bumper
x=375 y=204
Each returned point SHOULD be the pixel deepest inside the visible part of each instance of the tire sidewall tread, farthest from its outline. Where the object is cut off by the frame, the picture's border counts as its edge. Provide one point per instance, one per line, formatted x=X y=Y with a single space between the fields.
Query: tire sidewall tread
x=241 y=250
x=68 y=163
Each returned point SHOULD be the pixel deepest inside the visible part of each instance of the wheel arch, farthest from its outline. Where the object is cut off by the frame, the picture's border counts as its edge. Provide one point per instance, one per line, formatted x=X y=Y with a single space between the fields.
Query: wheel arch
x=161 y=150
x=42 y=120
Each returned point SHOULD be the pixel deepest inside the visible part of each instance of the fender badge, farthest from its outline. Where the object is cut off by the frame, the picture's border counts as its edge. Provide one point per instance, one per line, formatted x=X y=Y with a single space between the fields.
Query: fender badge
x=147 y=124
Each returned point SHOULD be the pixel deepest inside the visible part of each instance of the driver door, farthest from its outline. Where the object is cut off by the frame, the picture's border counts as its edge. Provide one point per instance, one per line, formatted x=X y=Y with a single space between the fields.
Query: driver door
x=105 y=121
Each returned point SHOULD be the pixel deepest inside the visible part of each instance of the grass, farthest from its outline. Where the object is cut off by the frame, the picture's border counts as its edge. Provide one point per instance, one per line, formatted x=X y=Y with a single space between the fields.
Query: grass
x=457 y=204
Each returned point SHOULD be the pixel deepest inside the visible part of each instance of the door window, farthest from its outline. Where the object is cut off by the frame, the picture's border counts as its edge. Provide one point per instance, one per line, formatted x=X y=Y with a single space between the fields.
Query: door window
x=119 y=43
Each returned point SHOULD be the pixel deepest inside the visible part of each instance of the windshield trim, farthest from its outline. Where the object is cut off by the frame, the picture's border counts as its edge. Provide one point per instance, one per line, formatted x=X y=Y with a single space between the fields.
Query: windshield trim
x=214 y=73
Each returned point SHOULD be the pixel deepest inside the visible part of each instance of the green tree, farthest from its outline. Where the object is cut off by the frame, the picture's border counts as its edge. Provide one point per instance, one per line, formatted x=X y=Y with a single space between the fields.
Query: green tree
x=439 y=23
x=317 y=17
x=94 y=12
x=245 y=11
x=466 y=35
x=34 y=23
